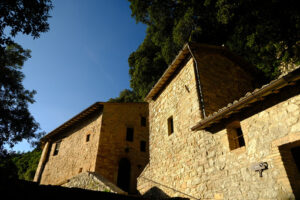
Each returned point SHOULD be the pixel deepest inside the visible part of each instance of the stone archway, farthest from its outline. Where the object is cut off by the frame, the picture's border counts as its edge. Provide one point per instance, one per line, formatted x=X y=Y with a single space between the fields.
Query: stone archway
x=123 y=180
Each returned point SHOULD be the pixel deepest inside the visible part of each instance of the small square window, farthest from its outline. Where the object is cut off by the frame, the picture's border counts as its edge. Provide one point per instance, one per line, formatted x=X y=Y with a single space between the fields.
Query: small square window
x=129 y=134
x=235 y=136
x=56 y=149
x=170 y=125
x=143 y=121
x=88 y=137
x=143 y=146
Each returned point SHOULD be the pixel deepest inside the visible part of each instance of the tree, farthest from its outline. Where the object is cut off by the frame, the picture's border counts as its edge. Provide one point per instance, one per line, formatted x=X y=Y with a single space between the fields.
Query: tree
x=26 y=163
x=125 y=96
x=18 y=16
x=23 y=16
x=265 y=33
x=16 y=123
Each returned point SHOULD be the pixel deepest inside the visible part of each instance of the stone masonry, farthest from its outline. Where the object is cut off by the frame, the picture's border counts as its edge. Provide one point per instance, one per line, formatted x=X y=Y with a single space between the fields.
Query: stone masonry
x=95 y=141
x=200 y=164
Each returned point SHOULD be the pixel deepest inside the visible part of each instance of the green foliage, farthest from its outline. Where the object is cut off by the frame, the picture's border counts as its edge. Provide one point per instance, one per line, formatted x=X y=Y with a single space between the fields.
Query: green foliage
x=27 y=163
x=265 y=33
x=20 y=165
x=8 y=169
x=125 y=96
x=145 y=67
x=106 y=190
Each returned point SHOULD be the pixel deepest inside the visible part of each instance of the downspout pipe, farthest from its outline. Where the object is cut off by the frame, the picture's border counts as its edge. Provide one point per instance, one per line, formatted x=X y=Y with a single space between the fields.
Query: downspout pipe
x=199 y=88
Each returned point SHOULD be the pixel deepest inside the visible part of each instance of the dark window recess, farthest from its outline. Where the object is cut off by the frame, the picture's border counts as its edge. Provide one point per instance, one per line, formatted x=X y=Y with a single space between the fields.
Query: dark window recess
x=88 y=137
x=126 y=149
x=236 y=138
x=170 y=125
x=143 y=146
x=296 y=155
x=143 y=121
x=56 y=149
x=240 y=137
x=129 y=134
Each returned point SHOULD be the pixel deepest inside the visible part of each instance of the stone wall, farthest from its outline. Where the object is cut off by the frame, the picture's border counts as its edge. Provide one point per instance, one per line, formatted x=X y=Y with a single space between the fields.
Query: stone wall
x=117 y=117
x=169 y=155
x=200 y=165
x=75 y=154
x=222 y=81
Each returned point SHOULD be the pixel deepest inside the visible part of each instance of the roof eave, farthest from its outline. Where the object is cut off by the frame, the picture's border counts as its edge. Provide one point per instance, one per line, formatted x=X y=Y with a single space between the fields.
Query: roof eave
x=273 y=86
x=73 y=120
x=169 y=71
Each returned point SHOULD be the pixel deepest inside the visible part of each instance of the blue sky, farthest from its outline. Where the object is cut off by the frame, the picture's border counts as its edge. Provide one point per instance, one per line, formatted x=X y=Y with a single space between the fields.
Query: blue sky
x=81 y=60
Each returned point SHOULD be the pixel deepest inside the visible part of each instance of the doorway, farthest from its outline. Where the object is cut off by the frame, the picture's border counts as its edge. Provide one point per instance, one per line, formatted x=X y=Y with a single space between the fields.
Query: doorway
x=123 y=180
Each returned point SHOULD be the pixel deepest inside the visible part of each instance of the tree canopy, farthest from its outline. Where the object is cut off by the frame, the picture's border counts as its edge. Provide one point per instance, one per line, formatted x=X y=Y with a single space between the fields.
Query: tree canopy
x=265 y=33
x=27 y=17
x=125 y=96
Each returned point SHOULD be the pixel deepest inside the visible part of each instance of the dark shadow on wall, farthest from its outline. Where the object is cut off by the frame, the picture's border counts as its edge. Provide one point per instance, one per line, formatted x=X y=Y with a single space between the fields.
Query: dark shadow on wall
x=157 y=194
x=124 y=169
x=290 y=155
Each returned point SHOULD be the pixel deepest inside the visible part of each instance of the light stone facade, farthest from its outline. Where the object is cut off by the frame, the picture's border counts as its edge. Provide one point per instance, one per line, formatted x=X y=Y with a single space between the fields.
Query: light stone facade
x=199 y=164
x=95 y=141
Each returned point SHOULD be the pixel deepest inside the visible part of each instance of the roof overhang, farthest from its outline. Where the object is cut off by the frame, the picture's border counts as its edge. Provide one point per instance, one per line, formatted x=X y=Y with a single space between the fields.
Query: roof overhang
x=194 y=49
x=251 y=97
x=93 y=108
x=98 y=106
x=168 y=73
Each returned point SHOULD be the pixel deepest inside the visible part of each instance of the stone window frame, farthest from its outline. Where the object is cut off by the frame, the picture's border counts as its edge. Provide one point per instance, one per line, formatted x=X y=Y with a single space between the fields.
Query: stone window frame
x=56 y=148
x=170 y=125
x=236 y=136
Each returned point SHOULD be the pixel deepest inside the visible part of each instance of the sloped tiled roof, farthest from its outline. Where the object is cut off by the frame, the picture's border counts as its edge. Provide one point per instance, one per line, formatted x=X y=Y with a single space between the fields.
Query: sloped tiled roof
x=197 y=51
x=251 y=97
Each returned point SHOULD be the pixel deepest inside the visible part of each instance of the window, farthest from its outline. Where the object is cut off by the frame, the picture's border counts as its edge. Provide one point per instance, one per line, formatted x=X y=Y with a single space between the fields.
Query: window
x=88 y=137
x=143 y=146
x=143 y=121
x=129 y=134
x=235 y=136
x=56 y=149
x=80 y=170
x=170 y=125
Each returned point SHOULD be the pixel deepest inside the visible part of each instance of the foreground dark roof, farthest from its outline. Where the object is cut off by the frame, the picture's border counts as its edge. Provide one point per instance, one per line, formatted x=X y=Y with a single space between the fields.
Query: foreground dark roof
x=251 y=97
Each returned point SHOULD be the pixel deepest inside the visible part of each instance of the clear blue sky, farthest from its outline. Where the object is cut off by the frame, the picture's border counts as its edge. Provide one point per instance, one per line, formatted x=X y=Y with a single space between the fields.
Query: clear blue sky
x=81 y=60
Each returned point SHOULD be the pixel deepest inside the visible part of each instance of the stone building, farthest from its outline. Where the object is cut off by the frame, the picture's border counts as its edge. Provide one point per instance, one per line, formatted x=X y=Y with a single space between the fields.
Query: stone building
x=106 y=142
x=218 y=132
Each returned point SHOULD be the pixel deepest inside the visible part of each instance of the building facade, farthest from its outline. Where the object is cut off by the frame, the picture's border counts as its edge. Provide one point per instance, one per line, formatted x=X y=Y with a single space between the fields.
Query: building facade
x=109 y=139
x=214 y=136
